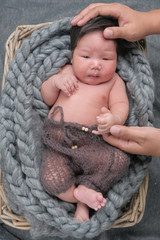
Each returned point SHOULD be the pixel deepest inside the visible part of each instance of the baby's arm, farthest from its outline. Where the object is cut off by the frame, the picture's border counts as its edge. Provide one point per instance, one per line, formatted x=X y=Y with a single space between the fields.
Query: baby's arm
x=63 y=80
x=118 y=102
x=118 y=108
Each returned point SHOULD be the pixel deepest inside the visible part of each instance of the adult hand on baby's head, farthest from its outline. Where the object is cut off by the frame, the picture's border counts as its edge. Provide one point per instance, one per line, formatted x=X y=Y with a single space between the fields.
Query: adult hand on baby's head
x=131 y=22
x=67 y=83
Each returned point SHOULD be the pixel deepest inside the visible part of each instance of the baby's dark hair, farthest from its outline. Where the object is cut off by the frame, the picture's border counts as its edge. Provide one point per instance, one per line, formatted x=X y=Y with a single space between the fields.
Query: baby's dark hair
x=97 y=23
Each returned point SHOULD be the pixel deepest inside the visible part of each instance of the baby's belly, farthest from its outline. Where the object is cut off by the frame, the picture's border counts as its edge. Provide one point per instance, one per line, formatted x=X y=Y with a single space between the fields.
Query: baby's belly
x=74 y=110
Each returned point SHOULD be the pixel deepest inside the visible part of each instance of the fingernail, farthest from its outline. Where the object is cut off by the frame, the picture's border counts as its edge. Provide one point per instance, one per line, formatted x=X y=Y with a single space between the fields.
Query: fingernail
x=108 y=33
x=115 y=130
x=80 y=22
x=74 y=19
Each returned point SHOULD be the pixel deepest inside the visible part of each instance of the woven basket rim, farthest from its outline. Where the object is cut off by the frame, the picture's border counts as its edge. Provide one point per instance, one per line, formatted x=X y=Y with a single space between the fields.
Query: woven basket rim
x=136 y=207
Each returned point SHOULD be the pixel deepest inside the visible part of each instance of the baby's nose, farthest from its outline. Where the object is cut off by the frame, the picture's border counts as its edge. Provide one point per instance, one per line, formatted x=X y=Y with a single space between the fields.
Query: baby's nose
x=96 y=65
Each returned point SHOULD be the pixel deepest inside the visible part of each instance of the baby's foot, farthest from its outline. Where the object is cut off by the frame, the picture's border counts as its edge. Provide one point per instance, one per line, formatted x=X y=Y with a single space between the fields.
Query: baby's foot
x=82 y=212
x=90 y=197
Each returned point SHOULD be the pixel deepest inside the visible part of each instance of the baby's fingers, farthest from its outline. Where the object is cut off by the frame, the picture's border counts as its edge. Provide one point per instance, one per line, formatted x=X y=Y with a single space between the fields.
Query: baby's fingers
x=103 y=129
x=73 y=85
x=68 y=88
x=67 y=91
x=96 y=132
x=102 y=120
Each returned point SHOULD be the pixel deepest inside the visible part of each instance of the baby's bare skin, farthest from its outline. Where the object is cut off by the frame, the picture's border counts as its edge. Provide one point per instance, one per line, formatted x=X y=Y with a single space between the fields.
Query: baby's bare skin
x=90 y=197
x=85 y=101
x=82 y=212
x=90 y=101
x=90 y=93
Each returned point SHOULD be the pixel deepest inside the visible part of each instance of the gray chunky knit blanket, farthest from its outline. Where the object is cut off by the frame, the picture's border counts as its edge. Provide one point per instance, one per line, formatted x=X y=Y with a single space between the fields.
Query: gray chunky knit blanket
x=22 y=114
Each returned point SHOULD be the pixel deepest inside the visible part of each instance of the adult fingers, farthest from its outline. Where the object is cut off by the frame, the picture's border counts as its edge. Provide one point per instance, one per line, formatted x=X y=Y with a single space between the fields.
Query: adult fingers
x=123 y=144
x=93 y=10
x=116 y=32
x=128 y=133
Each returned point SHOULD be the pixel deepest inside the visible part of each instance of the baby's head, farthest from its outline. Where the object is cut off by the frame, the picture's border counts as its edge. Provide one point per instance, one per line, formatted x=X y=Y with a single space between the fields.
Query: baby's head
x=99 y=23
x=94 y=57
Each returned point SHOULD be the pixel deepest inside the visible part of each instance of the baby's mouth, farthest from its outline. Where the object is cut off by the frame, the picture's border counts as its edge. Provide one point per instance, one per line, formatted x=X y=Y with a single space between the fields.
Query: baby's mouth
x=94 y=74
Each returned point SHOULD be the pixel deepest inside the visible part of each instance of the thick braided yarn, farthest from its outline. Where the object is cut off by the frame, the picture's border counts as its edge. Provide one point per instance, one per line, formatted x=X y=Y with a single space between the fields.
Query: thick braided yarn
x=22 y=115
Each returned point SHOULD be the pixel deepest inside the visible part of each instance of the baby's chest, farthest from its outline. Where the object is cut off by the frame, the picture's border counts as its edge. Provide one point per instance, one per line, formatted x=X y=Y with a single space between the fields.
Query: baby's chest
x=94 y=93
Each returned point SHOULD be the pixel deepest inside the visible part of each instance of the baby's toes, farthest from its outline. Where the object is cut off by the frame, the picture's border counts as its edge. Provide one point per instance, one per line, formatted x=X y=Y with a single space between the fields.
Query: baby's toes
x=104 y=202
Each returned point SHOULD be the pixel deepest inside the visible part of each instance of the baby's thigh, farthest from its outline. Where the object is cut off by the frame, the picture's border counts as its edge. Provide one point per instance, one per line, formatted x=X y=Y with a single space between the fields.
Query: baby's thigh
x=56 y=174
x=93 y=158
x=100 y=157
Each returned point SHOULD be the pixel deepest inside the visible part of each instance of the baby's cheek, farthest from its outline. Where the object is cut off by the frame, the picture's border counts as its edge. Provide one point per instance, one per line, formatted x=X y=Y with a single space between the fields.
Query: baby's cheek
x=109 y=71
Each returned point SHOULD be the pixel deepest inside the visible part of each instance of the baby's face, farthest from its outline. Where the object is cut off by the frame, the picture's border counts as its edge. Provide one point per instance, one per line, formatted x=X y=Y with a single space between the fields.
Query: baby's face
x=94 y=58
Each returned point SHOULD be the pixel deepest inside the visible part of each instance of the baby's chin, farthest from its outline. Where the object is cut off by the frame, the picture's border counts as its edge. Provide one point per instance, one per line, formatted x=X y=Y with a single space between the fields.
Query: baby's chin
x=93 y=80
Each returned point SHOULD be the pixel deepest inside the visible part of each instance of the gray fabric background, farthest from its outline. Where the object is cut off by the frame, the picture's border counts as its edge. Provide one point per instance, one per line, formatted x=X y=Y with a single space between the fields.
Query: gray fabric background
x=24 y=12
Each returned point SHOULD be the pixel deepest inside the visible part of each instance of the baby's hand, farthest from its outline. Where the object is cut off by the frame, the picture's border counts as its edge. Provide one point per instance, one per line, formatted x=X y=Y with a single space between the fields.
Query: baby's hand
x=67 y=83
x=105 y=121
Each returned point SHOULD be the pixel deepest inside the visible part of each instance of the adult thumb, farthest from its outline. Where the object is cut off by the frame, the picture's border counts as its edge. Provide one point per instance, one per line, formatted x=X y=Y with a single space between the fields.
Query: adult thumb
x=114 y=32
x=131 y=133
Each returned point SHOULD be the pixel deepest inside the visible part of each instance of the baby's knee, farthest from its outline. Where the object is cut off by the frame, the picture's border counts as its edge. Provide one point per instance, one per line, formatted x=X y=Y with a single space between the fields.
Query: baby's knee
x=124 y=161
x=56 y=183
x=48 y=182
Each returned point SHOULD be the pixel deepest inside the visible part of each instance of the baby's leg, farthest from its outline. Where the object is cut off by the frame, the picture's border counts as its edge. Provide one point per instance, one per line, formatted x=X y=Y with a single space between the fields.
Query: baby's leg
x=103 y=165
x=68 y=196
x=82 y=212
x=56 y=176
x=89 y=197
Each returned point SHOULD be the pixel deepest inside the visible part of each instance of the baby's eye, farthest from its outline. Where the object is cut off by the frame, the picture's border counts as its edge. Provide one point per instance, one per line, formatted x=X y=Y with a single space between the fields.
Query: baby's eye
x=105 y=59
x=85 y=56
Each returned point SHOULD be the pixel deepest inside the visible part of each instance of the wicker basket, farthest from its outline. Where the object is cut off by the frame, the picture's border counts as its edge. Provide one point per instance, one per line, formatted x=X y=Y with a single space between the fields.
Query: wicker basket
x=134 y=211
